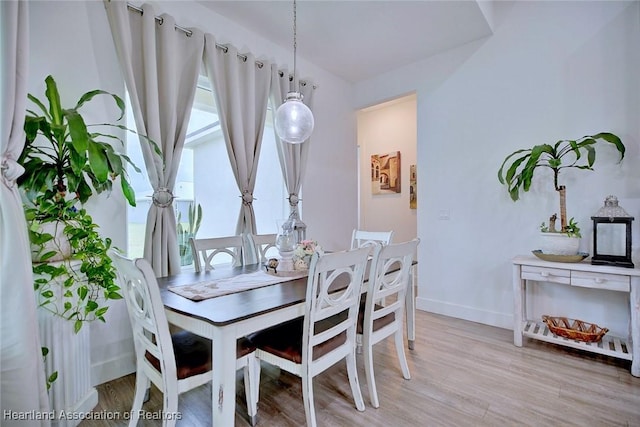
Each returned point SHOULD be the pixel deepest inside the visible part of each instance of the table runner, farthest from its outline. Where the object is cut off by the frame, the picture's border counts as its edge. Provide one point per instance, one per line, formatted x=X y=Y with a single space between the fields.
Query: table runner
x=214 y=288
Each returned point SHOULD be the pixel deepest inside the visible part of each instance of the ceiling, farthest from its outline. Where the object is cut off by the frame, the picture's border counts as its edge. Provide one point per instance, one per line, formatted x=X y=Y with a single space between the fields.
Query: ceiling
x=358 y=40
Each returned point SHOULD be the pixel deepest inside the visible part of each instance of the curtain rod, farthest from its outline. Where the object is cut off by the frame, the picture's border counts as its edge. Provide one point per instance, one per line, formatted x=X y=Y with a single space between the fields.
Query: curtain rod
x=188 y=33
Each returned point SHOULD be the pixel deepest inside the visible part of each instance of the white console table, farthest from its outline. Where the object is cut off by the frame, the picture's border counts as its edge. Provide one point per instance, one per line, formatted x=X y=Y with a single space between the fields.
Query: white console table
x=580 y=274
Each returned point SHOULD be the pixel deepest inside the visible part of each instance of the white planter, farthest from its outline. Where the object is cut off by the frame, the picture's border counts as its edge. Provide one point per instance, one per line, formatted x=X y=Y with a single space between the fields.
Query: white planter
x=70 y=355
x=559 y=244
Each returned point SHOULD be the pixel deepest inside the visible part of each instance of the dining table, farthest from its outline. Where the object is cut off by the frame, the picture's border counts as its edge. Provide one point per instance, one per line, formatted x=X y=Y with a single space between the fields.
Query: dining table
x=225 y=318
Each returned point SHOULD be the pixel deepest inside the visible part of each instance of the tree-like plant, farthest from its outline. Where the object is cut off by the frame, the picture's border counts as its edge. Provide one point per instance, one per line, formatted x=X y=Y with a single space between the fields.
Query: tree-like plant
x=61 y=154
x=65 y=164
x=580 y=153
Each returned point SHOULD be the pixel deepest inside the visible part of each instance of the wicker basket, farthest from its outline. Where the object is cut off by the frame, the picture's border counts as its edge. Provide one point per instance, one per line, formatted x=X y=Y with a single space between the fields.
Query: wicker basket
x=574 y=329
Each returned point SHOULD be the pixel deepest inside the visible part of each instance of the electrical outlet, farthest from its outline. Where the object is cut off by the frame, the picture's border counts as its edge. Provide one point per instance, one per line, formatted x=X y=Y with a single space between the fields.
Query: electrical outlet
x=444 y=214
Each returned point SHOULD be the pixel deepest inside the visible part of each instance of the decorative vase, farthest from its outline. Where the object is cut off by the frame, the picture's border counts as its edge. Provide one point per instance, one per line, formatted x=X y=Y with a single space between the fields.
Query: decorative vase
x=559 y=243
x=184 y=246
x=286 y=243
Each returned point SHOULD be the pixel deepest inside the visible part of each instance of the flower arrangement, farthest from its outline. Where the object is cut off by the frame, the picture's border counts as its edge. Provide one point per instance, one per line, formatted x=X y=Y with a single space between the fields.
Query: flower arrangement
x=303 y=252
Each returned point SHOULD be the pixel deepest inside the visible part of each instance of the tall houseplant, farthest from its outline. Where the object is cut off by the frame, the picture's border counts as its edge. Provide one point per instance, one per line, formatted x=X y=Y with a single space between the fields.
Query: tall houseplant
x=518 y=168
x=66 y=162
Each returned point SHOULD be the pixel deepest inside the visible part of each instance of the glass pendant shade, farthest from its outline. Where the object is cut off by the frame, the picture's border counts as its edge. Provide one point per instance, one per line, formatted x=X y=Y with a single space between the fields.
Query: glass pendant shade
x=294 y=120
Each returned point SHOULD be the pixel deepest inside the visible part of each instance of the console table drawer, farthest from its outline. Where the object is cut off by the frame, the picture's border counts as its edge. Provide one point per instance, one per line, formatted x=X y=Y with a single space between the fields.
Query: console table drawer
x=611 y=282
x=545 y=274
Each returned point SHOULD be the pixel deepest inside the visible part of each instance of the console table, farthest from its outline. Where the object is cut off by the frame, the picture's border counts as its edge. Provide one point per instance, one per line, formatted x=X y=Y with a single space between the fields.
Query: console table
x=580 y=274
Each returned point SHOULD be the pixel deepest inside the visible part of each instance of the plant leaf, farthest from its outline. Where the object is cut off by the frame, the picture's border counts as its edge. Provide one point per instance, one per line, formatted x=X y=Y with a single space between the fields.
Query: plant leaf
x=55 y=108
x=98 y=161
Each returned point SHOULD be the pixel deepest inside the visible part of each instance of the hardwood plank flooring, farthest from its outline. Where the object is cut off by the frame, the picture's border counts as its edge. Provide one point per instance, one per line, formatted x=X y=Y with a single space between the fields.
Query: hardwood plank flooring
x=462 y=374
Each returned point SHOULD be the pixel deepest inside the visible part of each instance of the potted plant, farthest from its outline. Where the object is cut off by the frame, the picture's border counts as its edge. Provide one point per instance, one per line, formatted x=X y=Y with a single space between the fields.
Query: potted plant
x=518 y=169
x=66 y=161
x=65 y=164
x=194 y=214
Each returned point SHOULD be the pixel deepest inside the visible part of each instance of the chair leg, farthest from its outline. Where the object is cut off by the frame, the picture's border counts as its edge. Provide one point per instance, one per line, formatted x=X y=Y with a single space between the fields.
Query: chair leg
x=251 y=386
x=170 y=408
x=399 y=339
x=142 y=387
x=307 y=397
x=371 y=381
x=353 y=381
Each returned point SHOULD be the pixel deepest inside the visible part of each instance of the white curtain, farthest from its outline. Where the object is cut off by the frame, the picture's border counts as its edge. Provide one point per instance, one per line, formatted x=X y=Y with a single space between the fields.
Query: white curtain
x=160 y=64
x=293 y=157
x=22 y=377
x=241 y=89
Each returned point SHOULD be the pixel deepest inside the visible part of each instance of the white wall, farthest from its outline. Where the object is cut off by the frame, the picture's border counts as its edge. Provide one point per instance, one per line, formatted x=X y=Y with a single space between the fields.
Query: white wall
x=552 y=70
x=72 y=41
x=382 y=129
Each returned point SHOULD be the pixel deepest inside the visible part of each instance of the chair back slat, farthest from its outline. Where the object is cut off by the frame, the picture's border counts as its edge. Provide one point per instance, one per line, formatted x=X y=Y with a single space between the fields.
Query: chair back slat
x=258 y=247
x=205 y=250
x=363 y=238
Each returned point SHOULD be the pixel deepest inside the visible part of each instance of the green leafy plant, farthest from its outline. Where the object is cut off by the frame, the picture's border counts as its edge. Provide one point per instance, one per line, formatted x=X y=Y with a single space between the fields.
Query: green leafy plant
x=61 y=154
x=571 y=230
x=66 y=161
x=65 y=164
x=194 y=213
x=87 y=280
x=521 y=165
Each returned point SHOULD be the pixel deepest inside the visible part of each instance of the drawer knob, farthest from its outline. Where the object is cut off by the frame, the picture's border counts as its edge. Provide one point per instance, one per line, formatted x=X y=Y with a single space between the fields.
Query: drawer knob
x=599 y=280
x=544 y=274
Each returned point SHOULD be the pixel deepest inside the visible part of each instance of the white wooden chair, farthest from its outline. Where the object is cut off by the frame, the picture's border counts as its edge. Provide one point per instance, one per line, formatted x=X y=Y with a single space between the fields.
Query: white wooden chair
x=361 y=238
x=261 y=245
x=325 y=335
x=377 y=322
x=229 y=249
x=174 y=363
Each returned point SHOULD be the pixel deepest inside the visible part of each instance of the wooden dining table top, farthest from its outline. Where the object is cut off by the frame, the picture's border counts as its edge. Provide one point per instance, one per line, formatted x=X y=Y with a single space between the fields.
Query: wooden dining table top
x=230 y=308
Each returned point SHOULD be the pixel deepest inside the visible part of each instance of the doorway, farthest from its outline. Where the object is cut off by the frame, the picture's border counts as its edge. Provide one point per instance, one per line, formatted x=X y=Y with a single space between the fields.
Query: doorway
x=387 y=154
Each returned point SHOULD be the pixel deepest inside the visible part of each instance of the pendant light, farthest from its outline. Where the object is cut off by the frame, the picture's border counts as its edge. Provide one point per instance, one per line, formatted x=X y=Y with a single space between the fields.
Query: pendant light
x=294 y=120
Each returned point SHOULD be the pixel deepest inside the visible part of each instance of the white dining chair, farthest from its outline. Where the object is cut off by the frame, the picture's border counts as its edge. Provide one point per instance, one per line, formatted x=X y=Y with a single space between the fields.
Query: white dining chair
x=230 y=249
x=174 y=363
x=364 y=238
x=377 y=322
x=309 y=345
x=261 y=246
x=361 y=238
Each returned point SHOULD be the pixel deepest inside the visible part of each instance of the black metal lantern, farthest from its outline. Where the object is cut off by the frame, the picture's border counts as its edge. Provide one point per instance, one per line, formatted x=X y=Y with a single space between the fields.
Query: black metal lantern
x=612 y=235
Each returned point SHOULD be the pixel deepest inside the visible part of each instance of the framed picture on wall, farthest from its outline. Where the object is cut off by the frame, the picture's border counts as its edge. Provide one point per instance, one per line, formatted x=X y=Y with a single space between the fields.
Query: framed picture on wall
x=385 y=173
x=413 y=187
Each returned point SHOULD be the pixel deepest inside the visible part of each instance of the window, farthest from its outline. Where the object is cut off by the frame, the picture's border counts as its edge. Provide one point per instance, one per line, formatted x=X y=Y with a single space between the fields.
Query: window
x=205 y=177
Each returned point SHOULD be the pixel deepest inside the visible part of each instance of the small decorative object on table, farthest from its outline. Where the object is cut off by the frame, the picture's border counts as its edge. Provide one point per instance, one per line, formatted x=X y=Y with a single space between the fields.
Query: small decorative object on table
x=612 y=235
x=272 y=264
x=574 y=329
x=303 y=252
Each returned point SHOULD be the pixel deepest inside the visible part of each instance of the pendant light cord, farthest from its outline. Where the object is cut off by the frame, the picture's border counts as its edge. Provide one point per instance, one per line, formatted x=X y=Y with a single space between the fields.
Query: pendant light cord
x=295 y=46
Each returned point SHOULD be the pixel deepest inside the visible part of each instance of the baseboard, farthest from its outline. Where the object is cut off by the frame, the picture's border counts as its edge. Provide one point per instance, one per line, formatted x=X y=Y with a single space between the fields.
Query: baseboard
x=492 y=318
x=107 y=370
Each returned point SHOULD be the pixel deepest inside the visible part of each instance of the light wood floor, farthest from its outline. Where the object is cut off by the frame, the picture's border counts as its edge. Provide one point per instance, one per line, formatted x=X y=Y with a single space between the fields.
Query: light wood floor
x=463 y=374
